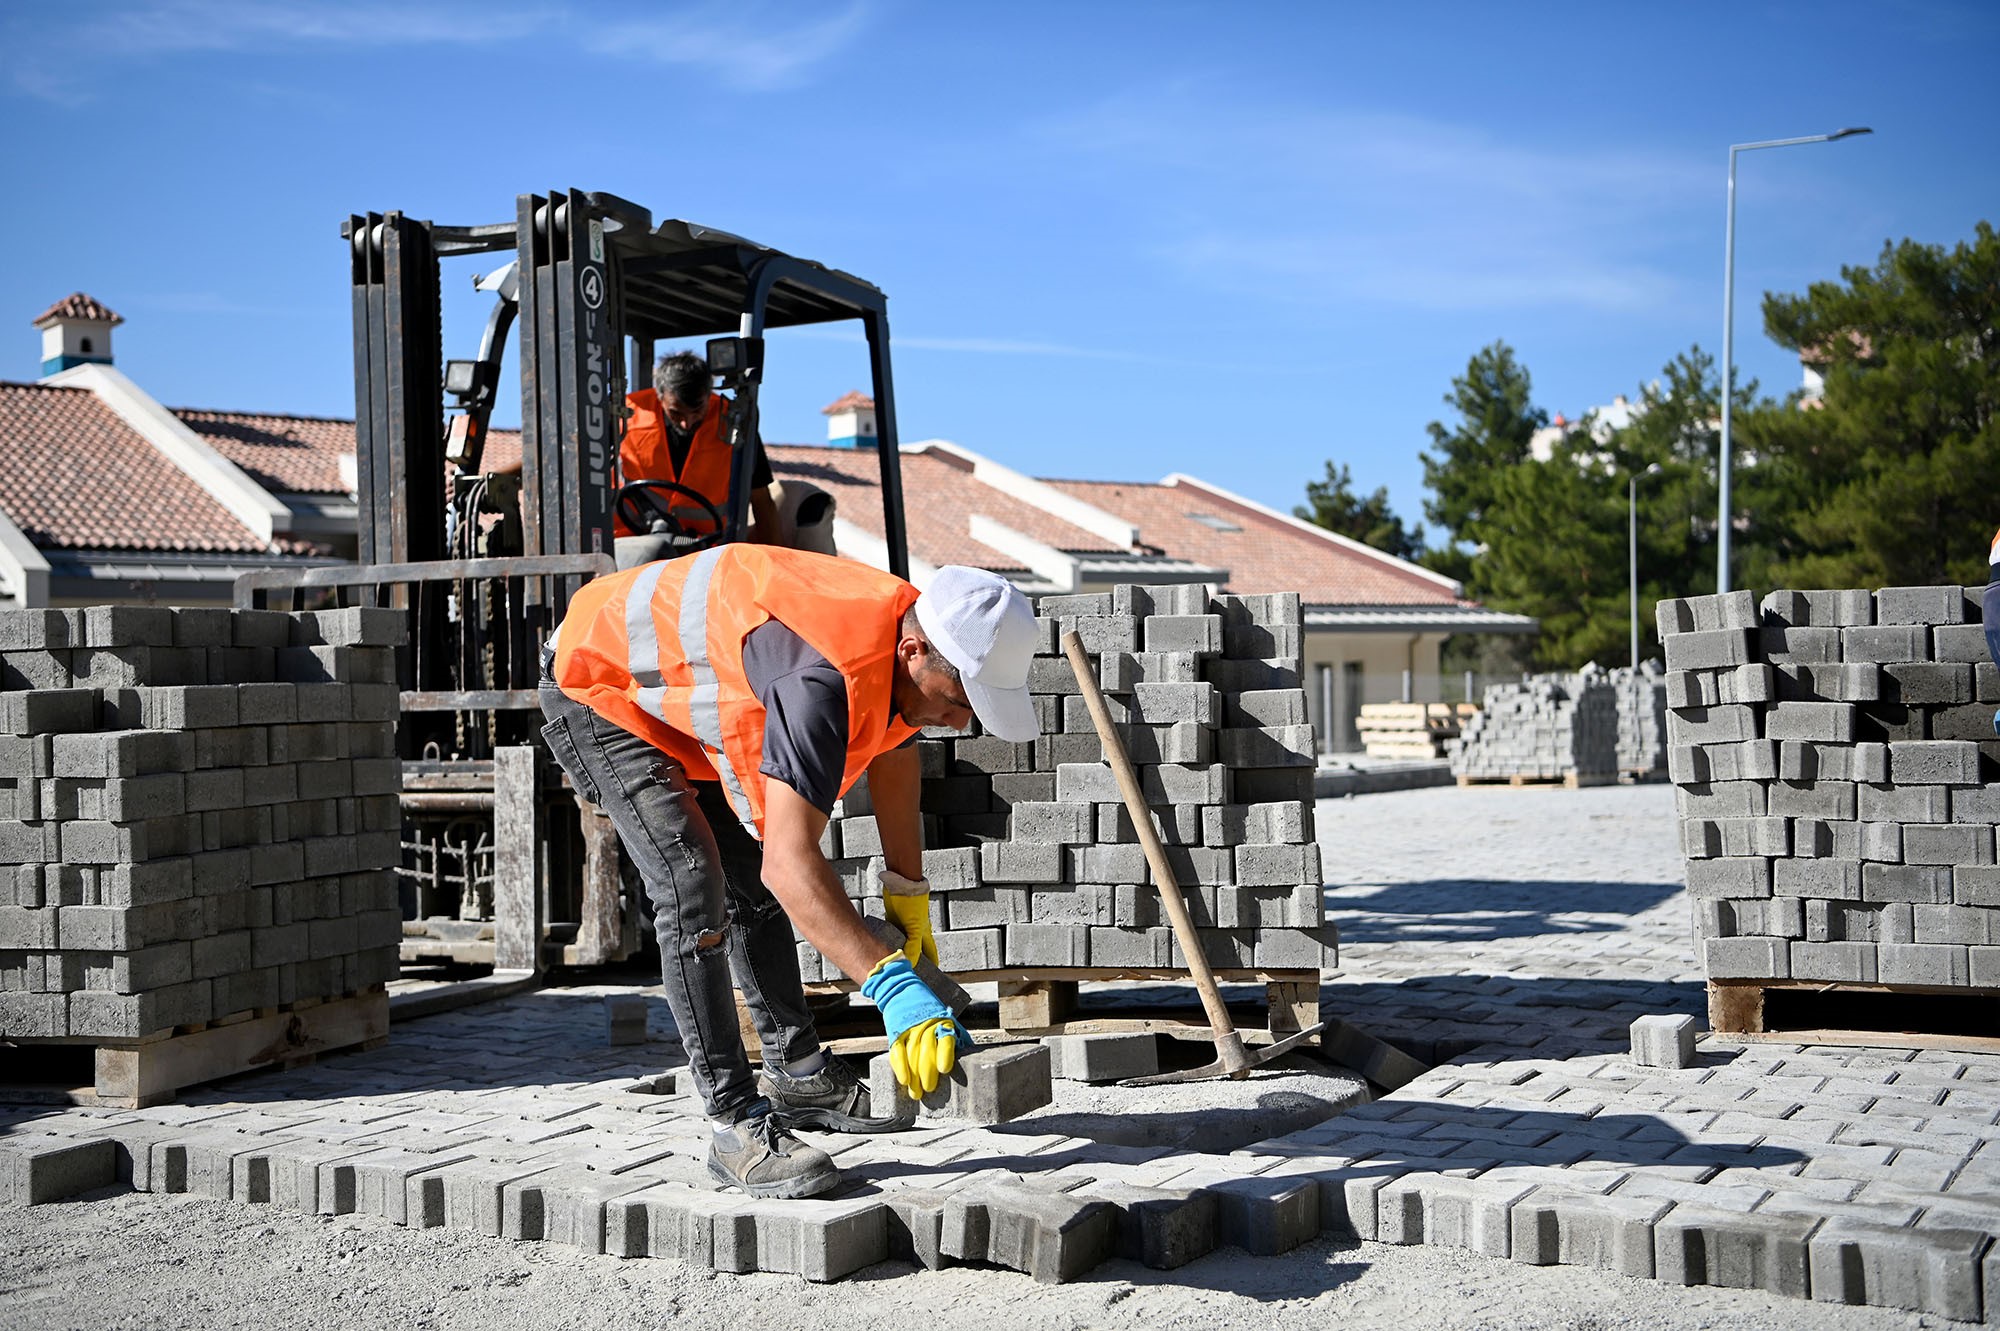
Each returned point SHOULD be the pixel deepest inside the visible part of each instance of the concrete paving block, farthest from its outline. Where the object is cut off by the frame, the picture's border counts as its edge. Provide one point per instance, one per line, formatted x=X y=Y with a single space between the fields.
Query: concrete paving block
x=1109 y=864
x=1962 y=643
x=35 y=1168
x=1047 y=945
x=1053 y=1237
x=1102 y=1058
x=1934 y=762
x=1947 y=843
x=1928 y=1270
x=1886 y=644
x=1825 y=722
x=1811 y=799
x=1699 y=1245
x=1928 y=684
x=915 y=1226
x=1885 y=803
x=1920 y=605
x=1663 y=1041
x=624 y=1019
x=1923 y=963
x=1265 y=1215
x=1710 y=649
x=1147 y=948
x=1728 y=877
x=1079 y=785
x=819 y=1239
x=970 y=950
x=1199 y=634
x=1276 y=865
x=1552 y=1226
x=1721 y=799
x=990 y=1085
x=1238 y=676
x=1837 y=962
x=1178 y=825
x=1160 y=1228
x=988 y=908
x=947 y=990
x=1180 y=783
x=1746 y=959
x=1907 y=883
x=1082 y=903
x=1827 y=879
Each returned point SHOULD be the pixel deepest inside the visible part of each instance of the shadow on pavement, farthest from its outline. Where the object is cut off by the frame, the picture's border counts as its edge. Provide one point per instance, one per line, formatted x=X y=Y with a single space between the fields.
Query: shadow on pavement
x=1456 y=910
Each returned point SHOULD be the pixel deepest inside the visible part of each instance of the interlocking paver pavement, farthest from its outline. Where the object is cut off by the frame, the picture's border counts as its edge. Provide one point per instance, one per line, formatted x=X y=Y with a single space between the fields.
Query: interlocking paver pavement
x=1513 y=935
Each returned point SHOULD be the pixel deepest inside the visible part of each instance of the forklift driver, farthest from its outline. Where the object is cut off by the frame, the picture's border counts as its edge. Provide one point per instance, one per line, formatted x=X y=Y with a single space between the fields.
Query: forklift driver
x=715 y=706
x=678 y=432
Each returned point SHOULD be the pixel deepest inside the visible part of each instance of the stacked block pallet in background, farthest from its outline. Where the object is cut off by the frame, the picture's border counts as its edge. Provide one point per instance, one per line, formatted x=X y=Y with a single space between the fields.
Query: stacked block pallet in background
x=1642 y=719
x=1411 y=729
x=1832 y=753
x=198 y=828
x=1038 y=879
x=1547 y=728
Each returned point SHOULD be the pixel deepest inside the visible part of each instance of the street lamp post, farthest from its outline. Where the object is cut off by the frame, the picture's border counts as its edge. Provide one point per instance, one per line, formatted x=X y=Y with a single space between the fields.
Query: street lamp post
x=1632 y=531
x=1729 y=333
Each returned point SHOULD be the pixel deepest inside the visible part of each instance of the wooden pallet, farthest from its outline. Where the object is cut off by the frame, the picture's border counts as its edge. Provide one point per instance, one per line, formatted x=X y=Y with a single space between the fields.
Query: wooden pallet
x=1037 y=1001
x=1567 y=781
x=150 y=1070
x=1875 y=1015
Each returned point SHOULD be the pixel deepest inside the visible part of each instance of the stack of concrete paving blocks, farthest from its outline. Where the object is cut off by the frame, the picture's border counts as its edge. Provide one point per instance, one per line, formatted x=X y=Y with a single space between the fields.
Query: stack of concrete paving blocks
x=198 y=814
x=1546 y=727
x=1832 y=752
x=1642 y=718
x=1038 y=864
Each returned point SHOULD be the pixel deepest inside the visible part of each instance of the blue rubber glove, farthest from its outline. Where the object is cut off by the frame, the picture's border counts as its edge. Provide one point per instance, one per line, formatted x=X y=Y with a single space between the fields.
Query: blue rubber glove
x=923 y=1035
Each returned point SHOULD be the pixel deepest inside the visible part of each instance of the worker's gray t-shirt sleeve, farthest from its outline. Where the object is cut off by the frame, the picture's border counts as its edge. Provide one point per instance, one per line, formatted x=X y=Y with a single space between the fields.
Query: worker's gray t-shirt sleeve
x=805 y=712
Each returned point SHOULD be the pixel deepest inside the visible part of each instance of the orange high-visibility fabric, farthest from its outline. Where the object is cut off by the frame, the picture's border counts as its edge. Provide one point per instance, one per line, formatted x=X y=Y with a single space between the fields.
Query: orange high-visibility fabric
x=645 y=456
x=849 y=613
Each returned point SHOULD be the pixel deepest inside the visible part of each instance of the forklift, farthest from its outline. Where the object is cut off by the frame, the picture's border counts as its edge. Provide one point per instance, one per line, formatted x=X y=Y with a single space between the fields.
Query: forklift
x=503 y=866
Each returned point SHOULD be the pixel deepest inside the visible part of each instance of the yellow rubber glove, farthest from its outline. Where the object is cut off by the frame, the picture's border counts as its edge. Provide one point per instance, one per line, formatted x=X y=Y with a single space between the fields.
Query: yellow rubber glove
x=924 y=1055
x=907 y=903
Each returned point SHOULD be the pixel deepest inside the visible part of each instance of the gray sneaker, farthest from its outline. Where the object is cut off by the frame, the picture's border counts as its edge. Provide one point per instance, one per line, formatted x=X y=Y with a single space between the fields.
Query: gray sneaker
x=832 y=1099
x=757 y=1155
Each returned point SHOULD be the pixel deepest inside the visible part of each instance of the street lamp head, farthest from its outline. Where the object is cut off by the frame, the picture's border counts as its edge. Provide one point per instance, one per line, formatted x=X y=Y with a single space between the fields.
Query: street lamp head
x=1653 y=470
x=1848 y=133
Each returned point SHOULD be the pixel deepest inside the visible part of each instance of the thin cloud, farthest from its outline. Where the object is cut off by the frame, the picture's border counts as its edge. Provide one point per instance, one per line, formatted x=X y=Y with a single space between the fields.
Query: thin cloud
x=743 y=46
x=747 y=44
x=1312 y=205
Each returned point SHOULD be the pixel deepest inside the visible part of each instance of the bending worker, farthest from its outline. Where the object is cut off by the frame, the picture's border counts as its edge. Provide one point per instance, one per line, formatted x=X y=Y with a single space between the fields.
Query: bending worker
x=728 y=698
x=678 y=432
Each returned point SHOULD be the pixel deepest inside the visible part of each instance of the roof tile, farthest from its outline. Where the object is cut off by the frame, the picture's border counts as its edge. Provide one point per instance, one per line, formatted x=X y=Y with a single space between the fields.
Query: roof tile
x=78 y=477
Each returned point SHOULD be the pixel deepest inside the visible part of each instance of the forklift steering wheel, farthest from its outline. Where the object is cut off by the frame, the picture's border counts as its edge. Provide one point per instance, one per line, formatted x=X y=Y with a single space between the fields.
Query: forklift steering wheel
x=641 y=504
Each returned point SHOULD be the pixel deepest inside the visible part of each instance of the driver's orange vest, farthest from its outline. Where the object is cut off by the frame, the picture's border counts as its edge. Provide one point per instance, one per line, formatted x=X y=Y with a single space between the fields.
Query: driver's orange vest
x=658 y=651
x=645 y=456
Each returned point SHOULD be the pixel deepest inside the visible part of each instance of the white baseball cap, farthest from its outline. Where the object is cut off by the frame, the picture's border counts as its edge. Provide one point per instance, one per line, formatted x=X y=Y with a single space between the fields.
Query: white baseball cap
x=985 y=626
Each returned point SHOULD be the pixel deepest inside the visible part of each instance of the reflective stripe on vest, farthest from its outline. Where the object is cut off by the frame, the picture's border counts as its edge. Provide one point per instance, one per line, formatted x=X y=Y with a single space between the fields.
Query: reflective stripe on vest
x=705 y=699
x=644 y=662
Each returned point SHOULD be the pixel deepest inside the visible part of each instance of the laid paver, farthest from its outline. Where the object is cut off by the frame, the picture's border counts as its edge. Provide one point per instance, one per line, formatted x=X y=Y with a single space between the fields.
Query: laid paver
x=1518 y=961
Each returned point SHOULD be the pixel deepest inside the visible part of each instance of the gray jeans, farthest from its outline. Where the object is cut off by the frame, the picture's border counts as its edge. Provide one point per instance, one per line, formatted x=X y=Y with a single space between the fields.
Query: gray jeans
x=711 y=911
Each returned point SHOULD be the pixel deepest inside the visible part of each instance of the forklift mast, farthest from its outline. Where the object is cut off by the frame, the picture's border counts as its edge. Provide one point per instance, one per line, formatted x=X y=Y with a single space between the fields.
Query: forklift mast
x=503 y=866
x=597 y=287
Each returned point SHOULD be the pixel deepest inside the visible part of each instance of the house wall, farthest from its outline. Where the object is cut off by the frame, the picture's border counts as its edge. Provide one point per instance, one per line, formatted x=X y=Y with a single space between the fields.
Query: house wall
x=1382 y=657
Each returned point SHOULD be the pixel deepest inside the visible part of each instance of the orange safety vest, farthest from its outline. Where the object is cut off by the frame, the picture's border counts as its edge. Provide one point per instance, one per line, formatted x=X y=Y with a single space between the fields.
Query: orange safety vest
x=645 y=456
x=658 y=651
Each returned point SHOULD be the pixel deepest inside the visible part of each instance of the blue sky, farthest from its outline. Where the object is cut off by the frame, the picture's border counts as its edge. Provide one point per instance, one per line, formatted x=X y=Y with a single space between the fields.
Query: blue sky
x=1119 y=240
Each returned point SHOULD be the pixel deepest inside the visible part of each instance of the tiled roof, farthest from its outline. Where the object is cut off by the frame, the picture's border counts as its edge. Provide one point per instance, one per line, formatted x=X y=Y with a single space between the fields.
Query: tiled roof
x=76 y=305
x=940 y=495
x=1262 y=553
x=854 y=400
x=78 y=477
x=286 y=454
x=302 y=454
